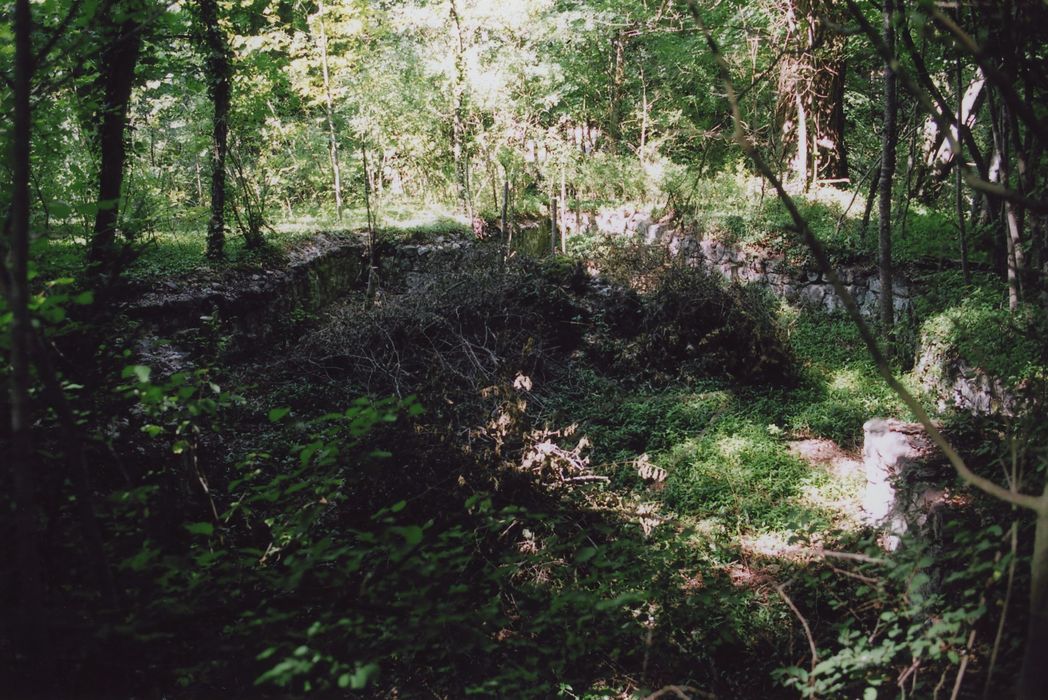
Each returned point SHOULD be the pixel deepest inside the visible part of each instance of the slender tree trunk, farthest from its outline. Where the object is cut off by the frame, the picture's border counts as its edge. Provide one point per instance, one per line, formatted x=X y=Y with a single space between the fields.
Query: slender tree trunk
x=871 y=197
x=460 y=151
x=506 y=237
x=28 y=616
x=642 y=150
x=889 y=138
x=1033 y=678
x=801 y=164
x=219 y=73
x=117 y=71
x=1000 y=126
x=959 y=159
x=329 y=110
x=553 y=234
x=373 y=277
x=563 y=212
x=617 y=78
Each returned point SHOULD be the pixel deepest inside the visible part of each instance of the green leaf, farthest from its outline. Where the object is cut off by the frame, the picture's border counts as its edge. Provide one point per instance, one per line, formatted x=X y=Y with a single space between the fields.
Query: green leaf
x=398 y=506
x=59 y=209
x=205 y=529
x=140 y=372
x=869 y=694
x=84 y=298
x=278 y=413
x=152 y=430
x=585 y=554
x=412 y=534
x=360 y=679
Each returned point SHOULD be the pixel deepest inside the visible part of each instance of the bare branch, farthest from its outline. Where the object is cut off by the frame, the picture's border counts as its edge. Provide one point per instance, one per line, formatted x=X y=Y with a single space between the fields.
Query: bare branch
x=781 y=590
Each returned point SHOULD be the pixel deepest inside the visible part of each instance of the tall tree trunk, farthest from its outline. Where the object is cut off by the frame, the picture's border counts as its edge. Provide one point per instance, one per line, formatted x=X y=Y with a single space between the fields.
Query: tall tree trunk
x=506 y=239
x=617 y=79
x=644 y=106
x=811 y=93
x=889 y=138
x=1033 y=677
x=219 y=72
x=563 y=212
x=959 y=157
x=1012 y=229
x=830 y=144
x=329 y=110
x=117 y=72
x=460 y=150
x=801 y=162
x=28 y=616
x=553 y=234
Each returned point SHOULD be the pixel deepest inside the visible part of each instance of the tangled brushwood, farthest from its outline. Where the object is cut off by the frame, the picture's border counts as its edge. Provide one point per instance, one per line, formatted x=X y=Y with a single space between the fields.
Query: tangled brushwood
x=629 y=314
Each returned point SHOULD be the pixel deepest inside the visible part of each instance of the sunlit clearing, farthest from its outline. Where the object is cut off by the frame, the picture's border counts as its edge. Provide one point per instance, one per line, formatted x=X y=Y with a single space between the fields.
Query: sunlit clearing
x=733 y=445
x=841 y=199
x=846 y=379
x=775 y=545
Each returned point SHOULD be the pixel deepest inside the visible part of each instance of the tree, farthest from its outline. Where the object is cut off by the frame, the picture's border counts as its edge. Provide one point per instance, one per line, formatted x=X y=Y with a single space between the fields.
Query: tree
x=29 y=617
x=329 y=108
x=120 y=39
x=219 y=70
x=811 y=92
x=889 y=139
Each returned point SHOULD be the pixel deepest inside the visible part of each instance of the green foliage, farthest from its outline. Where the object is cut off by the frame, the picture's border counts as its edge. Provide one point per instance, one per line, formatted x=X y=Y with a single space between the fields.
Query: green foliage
x=984 y=334
x=738 y=472
x=919 y=616
x=843 y=388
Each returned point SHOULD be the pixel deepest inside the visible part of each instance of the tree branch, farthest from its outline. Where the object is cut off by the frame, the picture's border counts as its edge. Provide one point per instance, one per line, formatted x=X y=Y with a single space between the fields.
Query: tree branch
x=1033 y=503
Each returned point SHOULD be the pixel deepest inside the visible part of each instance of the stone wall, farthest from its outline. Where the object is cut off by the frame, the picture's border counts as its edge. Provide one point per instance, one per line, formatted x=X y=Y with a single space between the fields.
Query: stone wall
x=952 y=382
x=749 y=265
x=250 y=307
x=905 y=477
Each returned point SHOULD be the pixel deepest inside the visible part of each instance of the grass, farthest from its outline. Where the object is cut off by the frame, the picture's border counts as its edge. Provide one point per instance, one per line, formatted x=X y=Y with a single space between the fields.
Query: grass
x=177 y=247
x=735 y=208
x=724 y=450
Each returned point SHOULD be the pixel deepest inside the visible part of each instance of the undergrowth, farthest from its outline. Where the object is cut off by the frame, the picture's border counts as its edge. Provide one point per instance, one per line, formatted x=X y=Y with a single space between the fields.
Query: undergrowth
x=578 y=487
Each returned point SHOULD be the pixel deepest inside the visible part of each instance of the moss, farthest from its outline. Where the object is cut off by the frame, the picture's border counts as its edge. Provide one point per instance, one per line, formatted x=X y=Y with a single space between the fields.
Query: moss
x=983 y=333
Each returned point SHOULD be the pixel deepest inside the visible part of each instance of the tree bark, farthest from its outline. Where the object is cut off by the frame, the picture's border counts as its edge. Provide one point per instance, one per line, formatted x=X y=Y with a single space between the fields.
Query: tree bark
x=329 y=110
x=28 y=616
x=801 y=162
x=1012 y=229
x=460 y=151
x=889 y=139
x=219 y=72
x=1033 y=678
x=962 y=233
x=553 y=234
x=617 y=79
x=118 y=60
x=811 y=90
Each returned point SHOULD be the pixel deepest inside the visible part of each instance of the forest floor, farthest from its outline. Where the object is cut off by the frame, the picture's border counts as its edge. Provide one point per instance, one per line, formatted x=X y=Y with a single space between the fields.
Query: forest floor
x=578 y=486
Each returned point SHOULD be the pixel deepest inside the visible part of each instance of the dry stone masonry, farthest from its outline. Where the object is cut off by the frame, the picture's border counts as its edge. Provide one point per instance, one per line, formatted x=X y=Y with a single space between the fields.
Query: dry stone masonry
x=905 y=473
x=806 y=287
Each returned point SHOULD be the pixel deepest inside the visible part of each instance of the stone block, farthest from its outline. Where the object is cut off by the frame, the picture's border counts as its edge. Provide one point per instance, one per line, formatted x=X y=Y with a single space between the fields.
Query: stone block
x=904 y=478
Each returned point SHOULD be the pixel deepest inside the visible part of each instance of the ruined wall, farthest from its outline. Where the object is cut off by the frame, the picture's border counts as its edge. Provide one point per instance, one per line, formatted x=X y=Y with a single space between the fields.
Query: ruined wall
x=750 y=265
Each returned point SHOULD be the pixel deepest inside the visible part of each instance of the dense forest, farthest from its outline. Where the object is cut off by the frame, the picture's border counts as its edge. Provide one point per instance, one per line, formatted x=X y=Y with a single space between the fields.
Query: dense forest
x=524 y=349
